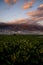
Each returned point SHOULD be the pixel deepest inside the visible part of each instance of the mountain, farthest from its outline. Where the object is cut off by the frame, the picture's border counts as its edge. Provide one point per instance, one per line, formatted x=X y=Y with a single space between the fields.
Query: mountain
x=21 y=25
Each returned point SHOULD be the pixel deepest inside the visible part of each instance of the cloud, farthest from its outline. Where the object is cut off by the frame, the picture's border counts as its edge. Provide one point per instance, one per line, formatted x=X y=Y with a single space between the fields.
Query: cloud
x=18 y=21
x=10 y=2
x=41 y=7
x=36 y=13
x=37 y=19
x=21 y=21
x=28 y=4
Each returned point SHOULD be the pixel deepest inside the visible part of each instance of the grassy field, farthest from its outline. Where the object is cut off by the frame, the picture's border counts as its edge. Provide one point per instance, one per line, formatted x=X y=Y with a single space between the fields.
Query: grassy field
x=21 y=49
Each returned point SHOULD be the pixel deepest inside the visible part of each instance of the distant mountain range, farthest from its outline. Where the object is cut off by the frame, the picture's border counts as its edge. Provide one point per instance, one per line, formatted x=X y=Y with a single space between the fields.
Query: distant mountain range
x=21 y=25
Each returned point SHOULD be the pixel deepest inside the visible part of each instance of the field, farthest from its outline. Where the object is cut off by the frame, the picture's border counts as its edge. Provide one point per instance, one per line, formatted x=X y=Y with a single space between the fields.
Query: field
x=21 y=49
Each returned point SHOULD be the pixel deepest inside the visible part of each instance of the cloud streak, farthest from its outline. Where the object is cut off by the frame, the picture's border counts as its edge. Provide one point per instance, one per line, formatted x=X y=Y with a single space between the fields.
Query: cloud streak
x=10 y=2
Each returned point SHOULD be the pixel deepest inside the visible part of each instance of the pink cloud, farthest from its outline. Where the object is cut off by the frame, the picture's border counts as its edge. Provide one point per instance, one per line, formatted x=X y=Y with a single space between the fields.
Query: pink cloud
x=36 y=13
x=10 y=2
x=28 y=4
x=41 y=5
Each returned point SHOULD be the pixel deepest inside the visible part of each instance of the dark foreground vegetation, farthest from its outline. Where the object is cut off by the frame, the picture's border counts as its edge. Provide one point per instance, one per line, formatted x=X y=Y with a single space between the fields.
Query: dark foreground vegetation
x=21 y=50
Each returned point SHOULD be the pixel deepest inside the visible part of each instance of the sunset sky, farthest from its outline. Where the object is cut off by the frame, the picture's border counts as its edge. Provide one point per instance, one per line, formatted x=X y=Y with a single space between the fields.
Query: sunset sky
x=11 y=10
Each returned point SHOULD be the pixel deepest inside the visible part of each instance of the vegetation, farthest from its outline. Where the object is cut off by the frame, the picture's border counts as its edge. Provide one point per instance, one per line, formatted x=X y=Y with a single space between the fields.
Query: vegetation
x=21 y=49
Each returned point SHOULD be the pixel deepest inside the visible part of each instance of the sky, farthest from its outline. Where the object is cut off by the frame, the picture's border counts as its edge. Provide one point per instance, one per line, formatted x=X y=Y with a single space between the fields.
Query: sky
x=12 y=10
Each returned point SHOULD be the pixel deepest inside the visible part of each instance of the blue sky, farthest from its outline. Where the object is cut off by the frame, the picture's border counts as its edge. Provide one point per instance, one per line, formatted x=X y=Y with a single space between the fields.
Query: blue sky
x=15 y=11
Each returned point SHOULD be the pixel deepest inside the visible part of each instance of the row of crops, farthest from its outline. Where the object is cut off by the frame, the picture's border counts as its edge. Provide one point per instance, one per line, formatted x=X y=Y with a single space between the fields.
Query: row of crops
x=21 y=49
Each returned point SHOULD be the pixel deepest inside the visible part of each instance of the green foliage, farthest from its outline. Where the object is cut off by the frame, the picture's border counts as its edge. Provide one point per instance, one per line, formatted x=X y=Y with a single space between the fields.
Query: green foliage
x=21 y=49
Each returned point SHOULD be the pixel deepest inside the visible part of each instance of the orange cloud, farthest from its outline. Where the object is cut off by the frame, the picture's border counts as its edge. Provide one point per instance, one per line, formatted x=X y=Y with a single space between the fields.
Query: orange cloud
x=14 y=1
x=28 y=4
x=36 y=13
x=21 y=18
x=40 y=18
x=36 y=19
x=10 y=2
x=7 y=1
x=41 y=5
x=18 y=21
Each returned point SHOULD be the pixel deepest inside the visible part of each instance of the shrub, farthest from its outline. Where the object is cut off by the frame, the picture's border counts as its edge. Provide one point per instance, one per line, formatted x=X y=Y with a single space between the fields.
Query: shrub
x=23 y=51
